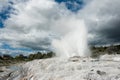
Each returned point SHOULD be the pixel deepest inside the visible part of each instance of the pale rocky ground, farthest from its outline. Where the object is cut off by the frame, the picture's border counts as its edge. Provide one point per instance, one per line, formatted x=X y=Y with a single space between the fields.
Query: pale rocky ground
x=10 y=72
x=107 y=67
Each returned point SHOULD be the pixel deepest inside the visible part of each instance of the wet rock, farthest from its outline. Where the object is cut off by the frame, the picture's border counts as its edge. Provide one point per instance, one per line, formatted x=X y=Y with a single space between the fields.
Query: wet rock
x=84 y=60
x=1 y=71
x=92 y=70
x=8 y=73
x=74 y=59
x=5 y=75
x=100 y=72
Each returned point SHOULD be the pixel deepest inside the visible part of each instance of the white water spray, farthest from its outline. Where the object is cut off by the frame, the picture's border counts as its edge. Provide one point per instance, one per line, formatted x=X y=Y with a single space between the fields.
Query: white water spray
x=73 y=42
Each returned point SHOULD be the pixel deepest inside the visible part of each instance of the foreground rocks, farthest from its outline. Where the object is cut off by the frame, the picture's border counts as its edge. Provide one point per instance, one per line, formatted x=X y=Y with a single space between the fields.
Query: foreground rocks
x=4 y=73
x=10 y=72
x=106 y=67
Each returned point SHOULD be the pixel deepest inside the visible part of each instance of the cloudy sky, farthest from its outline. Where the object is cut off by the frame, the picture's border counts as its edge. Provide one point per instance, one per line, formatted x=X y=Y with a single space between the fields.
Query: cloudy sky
x=31 y=25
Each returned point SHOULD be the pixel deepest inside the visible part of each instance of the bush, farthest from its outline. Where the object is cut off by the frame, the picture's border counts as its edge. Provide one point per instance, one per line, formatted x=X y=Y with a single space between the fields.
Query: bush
x=1 y=58
x=20 y=57
x=7 y=57
x=40 y=55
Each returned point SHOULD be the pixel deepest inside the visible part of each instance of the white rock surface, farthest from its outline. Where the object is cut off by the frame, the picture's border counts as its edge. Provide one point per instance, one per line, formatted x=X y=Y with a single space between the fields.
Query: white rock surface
x=76 y=68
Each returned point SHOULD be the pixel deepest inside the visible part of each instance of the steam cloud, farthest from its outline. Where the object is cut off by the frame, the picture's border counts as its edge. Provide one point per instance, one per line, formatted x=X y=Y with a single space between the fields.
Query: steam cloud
x=47 y=25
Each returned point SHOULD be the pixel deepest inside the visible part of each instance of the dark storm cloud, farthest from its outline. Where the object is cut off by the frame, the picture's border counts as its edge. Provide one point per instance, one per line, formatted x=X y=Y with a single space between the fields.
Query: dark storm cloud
x=108 y=35
x=103 y=21
x=112 y=34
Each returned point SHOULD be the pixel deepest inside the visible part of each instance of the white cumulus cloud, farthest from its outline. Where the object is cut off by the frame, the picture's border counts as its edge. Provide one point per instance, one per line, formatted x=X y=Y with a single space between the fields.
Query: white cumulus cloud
x=35 y=24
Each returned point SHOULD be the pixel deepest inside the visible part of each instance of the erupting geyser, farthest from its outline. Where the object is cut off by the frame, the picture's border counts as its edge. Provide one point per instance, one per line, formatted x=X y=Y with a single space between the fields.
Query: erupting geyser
x=74 y=41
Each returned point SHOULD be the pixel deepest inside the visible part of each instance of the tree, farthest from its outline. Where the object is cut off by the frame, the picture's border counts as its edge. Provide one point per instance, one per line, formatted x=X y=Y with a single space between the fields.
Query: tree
x=50 y=54
x=31 y=57
x=20 y=57
x=7 y=57
x=1 y=58
x=112 y=49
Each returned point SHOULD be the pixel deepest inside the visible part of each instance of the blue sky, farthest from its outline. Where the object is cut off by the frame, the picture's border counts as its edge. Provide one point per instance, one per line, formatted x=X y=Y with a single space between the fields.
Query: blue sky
x=73 y=5
x=102 y=22
x=5 y=14
x=7 y=46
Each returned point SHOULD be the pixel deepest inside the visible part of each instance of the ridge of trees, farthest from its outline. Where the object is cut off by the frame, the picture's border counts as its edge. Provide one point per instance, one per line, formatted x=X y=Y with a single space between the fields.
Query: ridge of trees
x=96 y=52
x=21 y=57
x=101 y=50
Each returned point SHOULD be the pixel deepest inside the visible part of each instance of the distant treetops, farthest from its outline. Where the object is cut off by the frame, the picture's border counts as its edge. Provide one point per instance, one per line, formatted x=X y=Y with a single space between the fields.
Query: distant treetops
x=21 y=57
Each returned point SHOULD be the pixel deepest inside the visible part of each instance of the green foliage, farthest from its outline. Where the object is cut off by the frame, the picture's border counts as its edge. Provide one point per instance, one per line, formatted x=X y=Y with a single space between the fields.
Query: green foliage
x=20 y=57
x=1 y=58
x=40 y=55
x=7 y=57
x=97 y=51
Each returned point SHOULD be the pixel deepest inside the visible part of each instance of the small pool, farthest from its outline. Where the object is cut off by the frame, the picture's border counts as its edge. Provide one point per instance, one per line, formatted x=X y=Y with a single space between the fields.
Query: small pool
x=14 y=67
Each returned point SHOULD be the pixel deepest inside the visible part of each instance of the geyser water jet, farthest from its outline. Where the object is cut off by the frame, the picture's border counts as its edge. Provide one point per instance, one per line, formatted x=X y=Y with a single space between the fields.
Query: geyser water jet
x=73 y=42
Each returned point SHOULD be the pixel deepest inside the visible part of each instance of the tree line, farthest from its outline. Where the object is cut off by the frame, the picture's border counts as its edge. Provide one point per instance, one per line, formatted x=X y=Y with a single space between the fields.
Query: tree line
x=101 y=50
x=21 y=57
